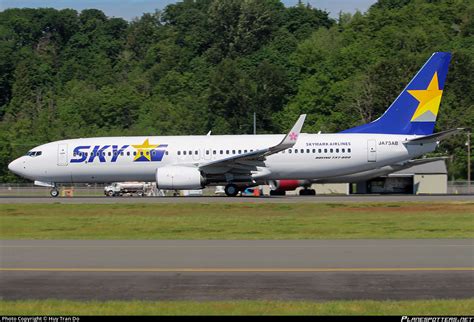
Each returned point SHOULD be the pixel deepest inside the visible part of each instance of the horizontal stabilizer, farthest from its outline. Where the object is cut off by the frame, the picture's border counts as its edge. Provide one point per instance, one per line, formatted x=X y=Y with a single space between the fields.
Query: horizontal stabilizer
x=434 y=137
x=424 y=160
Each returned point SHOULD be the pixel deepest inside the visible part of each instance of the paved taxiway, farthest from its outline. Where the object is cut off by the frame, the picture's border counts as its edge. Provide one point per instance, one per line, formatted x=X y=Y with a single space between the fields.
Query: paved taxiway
x=218 y=270
x=223 y=199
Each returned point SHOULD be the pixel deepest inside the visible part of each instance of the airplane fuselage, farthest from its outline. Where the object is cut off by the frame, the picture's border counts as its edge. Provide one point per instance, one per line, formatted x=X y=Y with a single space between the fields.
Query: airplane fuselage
x=314 y=156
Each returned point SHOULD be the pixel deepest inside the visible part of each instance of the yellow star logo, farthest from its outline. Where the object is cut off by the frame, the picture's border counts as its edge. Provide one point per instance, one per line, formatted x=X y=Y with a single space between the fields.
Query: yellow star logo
x=429 y=99
x=143 y=150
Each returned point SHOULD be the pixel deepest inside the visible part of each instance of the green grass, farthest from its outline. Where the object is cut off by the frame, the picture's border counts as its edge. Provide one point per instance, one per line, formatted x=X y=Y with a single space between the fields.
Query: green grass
x=59 y=307
x=237 y=221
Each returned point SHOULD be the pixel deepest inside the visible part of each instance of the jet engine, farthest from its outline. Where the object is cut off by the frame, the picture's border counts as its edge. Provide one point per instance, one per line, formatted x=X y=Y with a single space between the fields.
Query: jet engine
x=288 y=185
x=179 y=177
x=279 y=187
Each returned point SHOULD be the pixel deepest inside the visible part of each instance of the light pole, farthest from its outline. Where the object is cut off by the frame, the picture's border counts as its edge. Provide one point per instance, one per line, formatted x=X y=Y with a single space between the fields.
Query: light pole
x=468 y=144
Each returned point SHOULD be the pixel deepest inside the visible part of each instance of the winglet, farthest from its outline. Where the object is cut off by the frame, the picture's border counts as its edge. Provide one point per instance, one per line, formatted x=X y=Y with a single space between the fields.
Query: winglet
x=290 y=139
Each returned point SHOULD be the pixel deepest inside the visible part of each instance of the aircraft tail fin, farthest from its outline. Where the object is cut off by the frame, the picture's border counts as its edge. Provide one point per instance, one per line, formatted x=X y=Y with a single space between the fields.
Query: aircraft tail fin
x=414 y=111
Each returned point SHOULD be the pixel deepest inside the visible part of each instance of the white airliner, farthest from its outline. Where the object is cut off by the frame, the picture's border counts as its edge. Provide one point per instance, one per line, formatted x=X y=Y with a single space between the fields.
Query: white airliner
x=403 y=132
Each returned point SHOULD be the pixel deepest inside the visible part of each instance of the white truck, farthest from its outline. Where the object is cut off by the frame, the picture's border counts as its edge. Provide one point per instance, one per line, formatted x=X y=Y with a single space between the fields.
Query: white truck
x=127 y=188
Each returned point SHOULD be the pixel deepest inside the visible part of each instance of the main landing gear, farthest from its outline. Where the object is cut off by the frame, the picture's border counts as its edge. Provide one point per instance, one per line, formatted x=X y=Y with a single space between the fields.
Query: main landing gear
x=307 y=192
x=231 y=190
x=54 y=192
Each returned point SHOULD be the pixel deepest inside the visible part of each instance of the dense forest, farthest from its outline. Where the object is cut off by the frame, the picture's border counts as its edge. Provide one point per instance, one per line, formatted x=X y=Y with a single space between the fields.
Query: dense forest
x=201 y=65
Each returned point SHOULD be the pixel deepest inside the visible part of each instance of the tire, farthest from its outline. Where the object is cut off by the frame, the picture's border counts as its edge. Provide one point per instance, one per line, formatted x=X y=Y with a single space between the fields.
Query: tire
x=307 y=192
x=231 y=190
x=277 y=192
x=54 y=193
x=110 y=193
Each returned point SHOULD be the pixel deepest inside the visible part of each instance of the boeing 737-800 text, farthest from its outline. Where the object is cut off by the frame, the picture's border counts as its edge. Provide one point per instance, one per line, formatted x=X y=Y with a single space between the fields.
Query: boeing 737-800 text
x=403 y=132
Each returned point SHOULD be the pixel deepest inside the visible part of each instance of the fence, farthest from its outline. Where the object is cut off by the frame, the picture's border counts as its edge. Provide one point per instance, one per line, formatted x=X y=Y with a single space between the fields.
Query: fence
x=28 y=189
x=76 y=190
x=460 y=187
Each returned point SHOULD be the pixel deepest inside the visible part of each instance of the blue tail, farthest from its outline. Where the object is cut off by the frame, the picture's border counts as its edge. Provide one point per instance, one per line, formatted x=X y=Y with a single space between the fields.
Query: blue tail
x=414 y=111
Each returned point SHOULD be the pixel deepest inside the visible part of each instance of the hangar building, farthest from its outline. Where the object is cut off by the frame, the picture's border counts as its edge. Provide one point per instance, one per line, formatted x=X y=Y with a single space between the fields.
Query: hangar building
x=428 y=178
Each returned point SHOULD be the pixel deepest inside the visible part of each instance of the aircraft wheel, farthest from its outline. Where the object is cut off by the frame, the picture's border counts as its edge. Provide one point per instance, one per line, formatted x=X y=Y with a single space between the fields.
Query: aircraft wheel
x=54 y=192
x=231 y=190
x=307 y=192
x=277 y=192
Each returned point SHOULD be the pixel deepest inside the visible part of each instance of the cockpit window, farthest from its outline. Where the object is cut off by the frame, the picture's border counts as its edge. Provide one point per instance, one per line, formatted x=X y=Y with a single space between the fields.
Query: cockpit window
x=33 y=153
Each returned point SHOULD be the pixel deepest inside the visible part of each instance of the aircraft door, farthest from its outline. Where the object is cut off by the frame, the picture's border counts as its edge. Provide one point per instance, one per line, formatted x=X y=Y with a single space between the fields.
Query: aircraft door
x=371 y=151
x=62 y=154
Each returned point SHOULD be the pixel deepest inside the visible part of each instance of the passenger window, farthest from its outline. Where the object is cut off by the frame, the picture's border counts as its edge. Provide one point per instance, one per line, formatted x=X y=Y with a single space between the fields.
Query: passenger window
x=221 y=152
x=296 y=150
x=214 y=152
x=337 y=150
x=207 y=152
x=226 y=151
x=325 y=150
x=196 y=152
x=343 y=150
x=233 y=151
x=128 y=153
x=319 y=150
x=166 y=153
x=302 y=150
x=349 y=150
x=240 y=151
x=331 y=150
x=153 y=152
x=179 y=152
x=184 y=152
x=314 y=150
x=245 y=151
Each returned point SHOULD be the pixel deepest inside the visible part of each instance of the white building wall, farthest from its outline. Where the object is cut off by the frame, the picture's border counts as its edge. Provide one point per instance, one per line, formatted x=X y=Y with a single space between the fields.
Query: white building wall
x=331 y=188
x=430 y=183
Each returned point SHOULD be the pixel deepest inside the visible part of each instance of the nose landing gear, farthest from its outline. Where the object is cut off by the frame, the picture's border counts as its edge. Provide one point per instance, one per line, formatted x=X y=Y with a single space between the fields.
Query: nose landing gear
x=54 y=192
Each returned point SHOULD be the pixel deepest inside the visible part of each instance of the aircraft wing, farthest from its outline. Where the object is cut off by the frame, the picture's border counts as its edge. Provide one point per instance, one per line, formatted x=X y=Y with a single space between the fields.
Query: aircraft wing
x=435 y=137
x=247 y=162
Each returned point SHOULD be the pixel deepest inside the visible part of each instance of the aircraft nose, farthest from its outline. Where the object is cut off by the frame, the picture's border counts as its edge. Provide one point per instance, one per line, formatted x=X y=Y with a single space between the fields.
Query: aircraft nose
x=15 y=166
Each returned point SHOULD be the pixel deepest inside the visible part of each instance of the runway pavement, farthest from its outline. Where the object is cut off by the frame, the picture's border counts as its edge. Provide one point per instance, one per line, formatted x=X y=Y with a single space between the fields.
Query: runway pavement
x=223 y=199
x=225 y=270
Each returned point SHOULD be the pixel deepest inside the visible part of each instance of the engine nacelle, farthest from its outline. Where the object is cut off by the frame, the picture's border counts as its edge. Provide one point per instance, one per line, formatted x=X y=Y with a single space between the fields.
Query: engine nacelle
x=288 y=185
x=178 y=177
